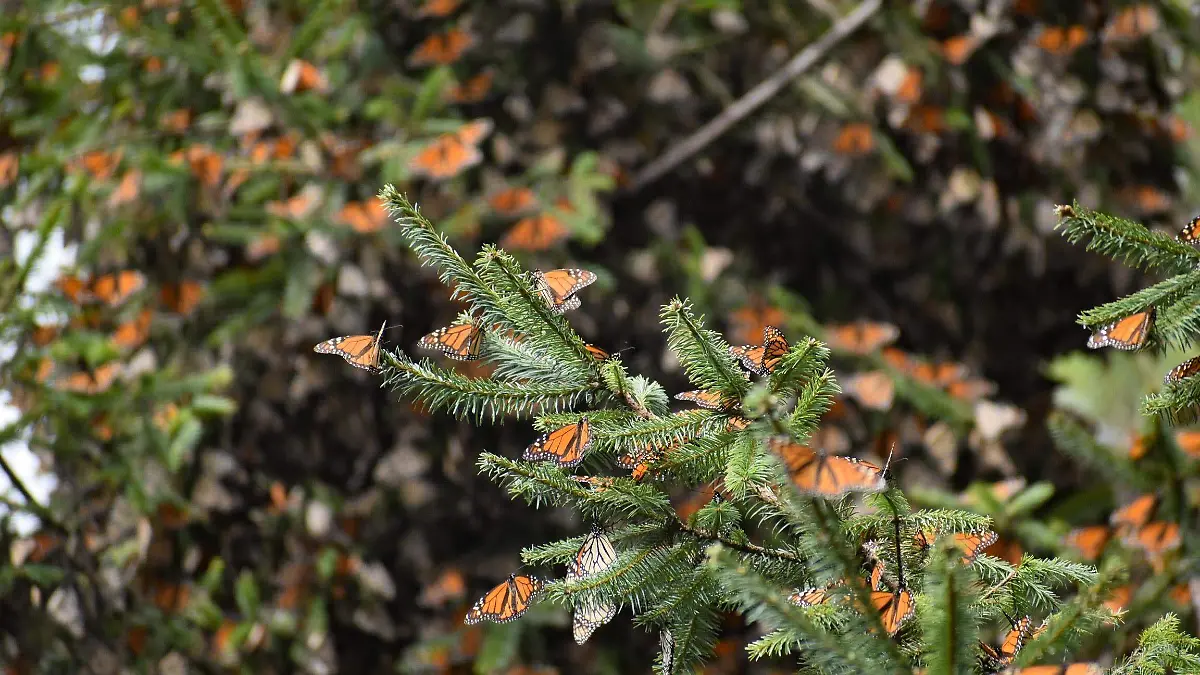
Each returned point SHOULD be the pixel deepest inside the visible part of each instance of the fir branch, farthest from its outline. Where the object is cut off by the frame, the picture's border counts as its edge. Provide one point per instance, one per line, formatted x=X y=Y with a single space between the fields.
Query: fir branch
x=744 y=547
x=947 y=622
x=520 y=360
x=703 y=353
x=1178 y=323
x=814 y=400
x=1073 y=439
x=1084 y=614
x=432 y=248
x=1162 y=648
x=440 y=389
x=544 y=484
x=563 y=551
x=1125 y=240
x=1158 y=295
x=614 y=431
x=802 y=363
x=616 y=378
x=1177 y=401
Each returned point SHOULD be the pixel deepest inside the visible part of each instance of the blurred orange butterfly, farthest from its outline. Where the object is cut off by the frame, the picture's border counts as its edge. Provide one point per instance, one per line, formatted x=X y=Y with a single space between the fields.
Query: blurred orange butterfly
x=959 y=48
x=1127 y=334
x=1136 y=513
x=1132 y=23
x=132 y=334
x=1059 y=40
x=505 y=602
x=1089 y=541
x=824 y=475
x=101 y=164
x=1064 y=669
x=1188 y=442
x=1003 y=655
x=437 y=8
x=894 y=607
x=709 y=399
x=809 y=597
x=749 y=321
x=1156 y=538
x=9 y=163
x=360 y=351
x=874 y=390
x=112 y=289
x=442 y=49
x=512 y=201
x=535 y=233
x=558 y=287
x=861 y=337
x=1183 y=371
x=297 y=207
x=564 y=446
x=460 y=341
x=736 y=423
x=301 y=76
x=854 y=139
x=364 y=217
x=450 y=585
x=95 y=381
x=449 y=154
x=182 y=297
x=126 y=191
x=762 y=359
x=472 y=90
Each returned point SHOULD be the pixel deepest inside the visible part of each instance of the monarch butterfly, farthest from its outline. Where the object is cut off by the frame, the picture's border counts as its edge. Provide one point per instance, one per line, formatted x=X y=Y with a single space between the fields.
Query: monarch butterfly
x=112 y=289
x=507 y=601
x=1132 y=23
x=450 y=154
x=363 y=217
x=437 y=8
x=1126 y=334
x=564 y=446
x=301 y=76
x=558 y=287
x=1183 y=371
x=360 y=351
x=1135 y=514
x=736 y=423
x=1118 y=599
x=132 y=334
x=41 y=336
x=182 y=297
x=762 y=359
x=709 y=399
x=1006 y=549
x=472 y=90
x=596 y=352
x=809 y=597
x=1188 y=442
x=126 y=191
x=1190 y=234
x=639 y=460
x=512 y=201
x=828 y=476
x=971 y=543
x=460 y=341
x=595 y=556
x=959 y=48
x=1156 y=538
x=874 y=390
x=96 y=381
x=854 y=139
x=1089 y=541
x=1064 y=669
x=595 y=483
x=450 y=585
x=535 y=233
x=1013 y=642
x=297 y=207
x=101 y=164
x=894 y=607
x=590 y=614
x=861 y=337
x=666 y=645
x=442 y=49
x=1060 y=40
x=204 y=163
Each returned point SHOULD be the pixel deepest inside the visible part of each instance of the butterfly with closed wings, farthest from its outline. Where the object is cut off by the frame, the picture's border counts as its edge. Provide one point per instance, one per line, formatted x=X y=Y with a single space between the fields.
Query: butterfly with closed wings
x=558 y=287
x=595 y=556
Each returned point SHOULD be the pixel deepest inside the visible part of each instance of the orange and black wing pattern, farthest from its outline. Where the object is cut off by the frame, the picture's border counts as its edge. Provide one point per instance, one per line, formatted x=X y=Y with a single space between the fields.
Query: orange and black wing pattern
x=450 y=154
x=861 y=337
x=1190 y=234
x=762 y=359
x=708 y=399
x=1013 y=641
x=1183 y=371
x=894 y=607
x=460 y=341
x=640 y=461
x=1064 y=669
x=472 y=90
x=360 y=351
x=1136 y=513
x=973 y=543
x=1127 y=334
x=596 y=352
x=442 y=49
x=558 y=287
x=506 y=602
x=809 y=597
x=827 y=476
x=1156 y=538
x=564 y=446
x=535 y=233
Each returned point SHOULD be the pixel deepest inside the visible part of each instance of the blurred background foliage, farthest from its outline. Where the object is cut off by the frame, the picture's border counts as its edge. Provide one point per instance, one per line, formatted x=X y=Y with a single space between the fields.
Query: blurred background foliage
x=187 y=191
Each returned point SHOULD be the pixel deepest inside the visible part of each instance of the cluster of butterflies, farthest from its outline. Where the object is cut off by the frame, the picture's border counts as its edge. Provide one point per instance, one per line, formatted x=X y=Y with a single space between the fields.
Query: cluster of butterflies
x=1133 y=332
x=1136 y=525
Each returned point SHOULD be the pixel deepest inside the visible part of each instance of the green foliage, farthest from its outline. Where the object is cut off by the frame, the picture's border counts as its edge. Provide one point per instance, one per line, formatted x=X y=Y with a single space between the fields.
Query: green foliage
x=760 y=537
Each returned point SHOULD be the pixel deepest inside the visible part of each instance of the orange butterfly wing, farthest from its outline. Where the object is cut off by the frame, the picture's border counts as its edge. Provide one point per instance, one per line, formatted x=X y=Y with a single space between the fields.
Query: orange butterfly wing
x=1190 y=234
x=894 y=607
x=445 y=157
x=827 y=476
x=438 y=8
x=535 y=233
x=1089 y=541
x=117 y=287
x=973 y=543
x=506 y=602
x=360 y=351
x=809 y=597
x=96 y=381
x=441 y=49
x=133 y=334
x=596 y=352
x=708 y=399
x=736 y=423
x=564 y=446
x=181 y=298
x=1156 y=538
x=1013 y=641
x=874 y=390
x=1136 y=513
x=460 y=341
x=473 y=90
x=862 y=337
x=1184 y=370
x=1126 y=334
x=512 y=200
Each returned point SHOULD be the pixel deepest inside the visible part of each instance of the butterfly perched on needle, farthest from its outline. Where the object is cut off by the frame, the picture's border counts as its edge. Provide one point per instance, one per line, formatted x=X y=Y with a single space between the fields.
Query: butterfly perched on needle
x=1127 y=334
x=360 y=351
x=450 y=154
x=558 y=287
x=507 y=601
x=460 y=342
x=595 y=556
x=762 y=359
x=970 y=543
x=1190 y=234
x=1014 y=640
x=709 y=399
x=895 y=607
x=829 y=476
x=1183 y=371
x=564 y=446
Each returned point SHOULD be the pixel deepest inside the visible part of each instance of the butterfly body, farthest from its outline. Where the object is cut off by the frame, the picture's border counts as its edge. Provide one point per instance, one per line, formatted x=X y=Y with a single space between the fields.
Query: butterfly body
x=762 y=359
x=360 y=351
x=507 y=601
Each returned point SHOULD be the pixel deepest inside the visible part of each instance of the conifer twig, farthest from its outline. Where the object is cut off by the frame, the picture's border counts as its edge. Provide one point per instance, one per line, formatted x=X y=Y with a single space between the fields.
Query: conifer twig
x=744 y=548
x=755 y=98
x=1001 y=584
